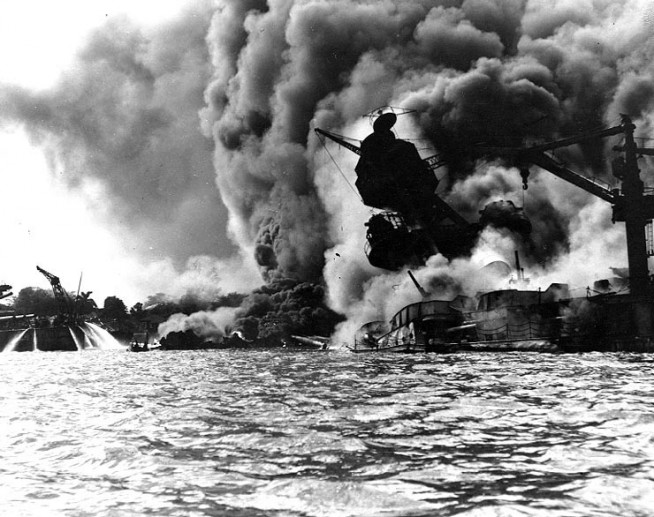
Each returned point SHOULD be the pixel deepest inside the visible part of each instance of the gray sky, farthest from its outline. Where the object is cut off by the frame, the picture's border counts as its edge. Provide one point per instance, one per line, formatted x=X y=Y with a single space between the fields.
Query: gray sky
x=106 y=172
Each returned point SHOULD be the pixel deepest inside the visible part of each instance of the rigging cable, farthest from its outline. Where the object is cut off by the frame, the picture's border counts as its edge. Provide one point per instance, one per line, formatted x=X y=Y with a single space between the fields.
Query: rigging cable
x=356 y=193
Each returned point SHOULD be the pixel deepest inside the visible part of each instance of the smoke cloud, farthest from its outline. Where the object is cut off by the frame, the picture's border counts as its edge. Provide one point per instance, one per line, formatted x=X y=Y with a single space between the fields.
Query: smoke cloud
x=122 y=128
x=261 y=74
x=210 y=325
x=535 y=73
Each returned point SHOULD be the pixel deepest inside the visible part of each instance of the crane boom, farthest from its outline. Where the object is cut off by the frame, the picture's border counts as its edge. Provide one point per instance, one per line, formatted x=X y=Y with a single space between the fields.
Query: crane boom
x=62 y=297
x=535 y=155
x=630 y=204
x=549 y=164
x=556 y=144
x=434 y=161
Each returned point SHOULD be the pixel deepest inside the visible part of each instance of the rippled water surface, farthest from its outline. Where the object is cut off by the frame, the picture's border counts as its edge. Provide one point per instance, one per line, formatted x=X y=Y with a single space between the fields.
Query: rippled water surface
x=325 y=434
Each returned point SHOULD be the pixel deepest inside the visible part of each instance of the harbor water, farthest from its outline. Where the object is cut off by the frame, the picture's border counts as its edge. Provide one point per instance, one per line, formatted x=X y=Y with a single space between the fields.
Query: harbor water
x=281 y=433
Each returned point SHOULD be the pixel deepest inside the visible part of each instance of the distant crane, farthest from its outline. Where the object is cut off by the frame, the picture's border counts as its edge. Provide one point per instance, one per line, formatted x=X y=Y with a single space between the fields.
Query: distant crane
x=65 y=302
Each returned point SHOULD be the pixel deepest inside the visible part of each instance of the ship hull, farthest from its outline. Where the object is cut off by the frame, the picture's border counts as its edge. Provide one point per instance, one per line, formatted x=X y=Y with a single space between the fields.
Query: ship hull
x=544 y=322
x=48 y=339
x=396 y=348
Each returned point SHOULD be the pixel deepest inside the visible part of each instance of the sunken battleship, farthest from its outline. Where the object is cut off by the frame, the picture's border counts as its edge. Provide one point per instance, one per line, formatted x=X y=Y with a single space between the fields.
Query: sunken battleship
x=413 y=223
x=66 y=331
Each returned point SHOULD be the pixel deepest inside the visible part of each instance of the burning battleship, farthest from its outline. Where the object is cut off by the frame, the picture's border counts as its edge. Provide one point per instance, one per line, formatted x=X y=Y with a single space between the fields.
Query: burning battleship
x=415 y=222
x=475 y=71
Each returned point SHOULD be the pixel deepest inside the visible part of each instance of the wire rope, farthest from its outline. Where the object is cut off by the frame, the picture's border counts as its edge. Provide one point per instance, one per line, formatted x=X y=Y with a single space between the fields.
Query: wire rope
x=356 y=193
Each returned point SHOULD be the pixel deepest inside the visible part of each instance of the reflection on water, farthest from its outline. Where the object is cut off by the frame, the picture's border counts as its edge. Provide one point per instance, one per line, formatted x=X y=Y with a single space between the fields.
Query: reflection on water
x=108 y=433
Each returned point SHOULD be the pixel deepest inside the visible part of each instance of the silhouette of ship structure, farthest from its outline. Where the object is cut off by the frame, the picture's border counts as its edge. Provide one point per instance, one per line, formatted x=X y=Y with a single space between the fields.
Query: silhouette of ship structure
x=66 y=331
x=414 y=223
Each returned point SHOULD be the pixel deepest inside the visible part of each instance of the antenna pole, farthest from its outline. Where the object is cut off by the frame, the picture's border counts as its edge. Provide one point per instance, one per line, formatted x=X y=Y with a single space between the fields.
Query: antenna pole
x=521 y=272
x=424 y=293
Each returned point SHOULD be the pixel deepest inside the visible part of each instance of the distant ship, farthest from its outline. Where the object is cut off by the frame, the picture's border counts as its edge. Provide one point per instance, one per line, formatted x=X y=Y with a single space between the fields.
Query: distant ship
x=24 y=333
x=67 y=331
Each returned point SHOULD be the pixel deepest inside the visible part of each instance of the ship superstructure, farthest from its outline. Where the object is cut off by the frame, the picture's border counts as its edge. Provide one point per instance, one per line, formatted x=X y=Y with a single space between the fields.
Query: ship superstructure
x=632 y=204
x=412 y=221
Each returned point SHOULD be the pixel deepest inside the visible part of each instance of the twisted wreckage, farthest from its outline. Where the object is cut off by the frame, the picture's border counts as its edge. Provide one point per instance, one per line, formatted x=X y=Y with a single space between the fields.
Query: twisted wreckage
x=413 y=223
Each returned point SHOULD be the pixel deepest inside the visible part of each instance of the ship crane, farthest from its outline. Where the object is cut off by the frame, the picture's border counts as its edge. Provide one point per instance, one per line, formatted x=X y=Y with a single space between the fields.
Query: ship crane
x=66 y=305
x=630 y=203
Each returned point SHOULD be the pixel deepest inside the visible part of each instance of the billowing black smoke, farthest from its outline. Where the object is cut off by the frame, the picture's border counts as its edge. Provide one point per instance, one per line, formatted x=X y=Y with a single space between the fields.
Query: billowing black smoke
x=285 y=307
x=491 y=72
x=476 y=72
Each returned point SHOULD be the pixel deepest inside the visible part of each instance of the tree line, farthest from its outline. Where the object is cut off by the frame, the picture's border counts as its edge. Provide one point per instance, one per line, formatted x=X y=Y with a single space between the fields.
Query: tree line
x=114 y=313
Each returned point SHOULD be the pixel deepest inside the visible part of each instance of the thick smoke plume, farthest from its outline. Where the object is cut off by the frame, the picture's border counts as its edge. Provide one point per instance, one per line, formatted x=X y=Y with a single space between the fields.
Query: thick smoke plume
x=211 y=325
x=475 y=71
x=486 y=72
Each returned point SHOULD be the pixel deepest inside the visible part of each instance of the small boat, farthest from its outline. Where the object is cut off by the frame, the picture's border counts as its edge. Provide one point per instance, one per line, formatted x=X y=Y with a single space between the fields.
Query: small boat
x=135 y=346
x=143 y=342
